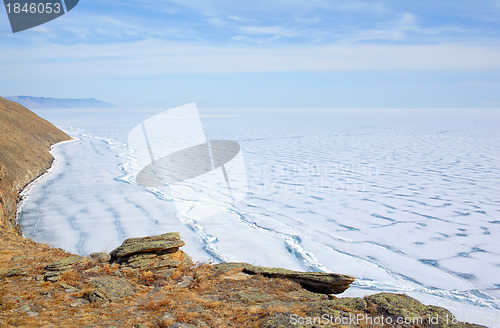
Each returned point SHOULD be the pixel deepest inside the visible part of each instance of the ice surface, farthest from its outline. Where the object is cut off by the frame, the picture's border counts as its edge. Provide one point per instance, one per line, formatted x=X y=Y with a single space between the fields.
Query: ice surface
x=406 y=201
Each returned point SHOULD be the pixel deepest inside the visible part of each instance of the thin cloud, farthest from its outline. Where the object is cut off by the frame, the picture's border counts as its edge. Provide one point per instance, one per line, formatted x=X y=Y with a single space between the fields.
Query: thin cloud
x=393 y=31
x=408 y=28
x=156 y=57
x=260 y=22
x=277 y=31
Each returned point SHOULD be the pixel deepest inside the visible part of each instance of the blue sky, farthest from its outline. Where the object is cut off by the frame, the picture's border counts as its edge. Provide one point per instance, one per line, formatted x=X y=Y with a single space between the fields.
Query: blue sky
x=274 y=53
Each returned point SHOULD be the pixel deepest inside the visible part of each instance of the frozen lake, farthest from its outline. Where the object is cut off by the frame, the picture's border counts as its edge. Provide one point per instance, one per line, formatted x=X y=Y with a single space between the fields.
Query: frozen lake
x=405 y=200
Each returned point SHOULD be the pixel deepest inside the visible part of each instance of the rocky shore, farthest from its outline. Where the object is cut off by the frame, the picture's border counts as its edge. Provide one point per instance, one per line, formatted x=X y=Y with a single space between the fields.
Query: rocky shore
x=151 y=282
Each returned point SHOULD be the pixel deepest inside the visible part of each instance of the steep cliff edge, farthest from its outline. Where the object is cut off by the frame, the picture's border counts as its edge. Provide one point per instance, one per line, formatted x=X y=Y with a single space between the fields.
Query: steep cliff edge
x=25 y=141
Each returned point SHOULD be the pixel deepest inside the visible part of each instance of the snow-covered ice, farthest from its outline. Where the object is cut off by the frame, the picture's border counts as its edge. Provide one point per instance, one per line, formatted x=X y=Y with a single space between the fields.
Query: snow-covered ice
x=404 y=200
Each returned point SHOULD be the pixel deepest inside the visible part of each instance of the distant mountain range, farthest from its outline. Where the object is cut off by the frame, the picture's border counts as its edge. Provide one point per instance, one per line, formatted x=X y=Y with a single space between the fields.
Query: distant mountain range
x=42 y=102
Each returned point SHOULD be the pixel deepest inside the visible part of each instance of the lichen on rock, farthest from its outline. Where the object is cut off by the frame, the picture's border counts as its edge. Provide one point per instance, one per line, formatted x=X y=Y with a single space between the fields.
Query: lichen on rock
x=319 y=282
x=159 y=254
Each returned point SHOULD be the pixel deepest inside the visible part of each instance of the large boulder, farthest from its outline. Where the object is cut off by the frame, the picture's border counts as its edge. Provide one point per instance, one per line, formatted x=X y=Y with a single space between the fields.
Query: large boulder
x=160 y=244
x=159 y=254
x=318 y=282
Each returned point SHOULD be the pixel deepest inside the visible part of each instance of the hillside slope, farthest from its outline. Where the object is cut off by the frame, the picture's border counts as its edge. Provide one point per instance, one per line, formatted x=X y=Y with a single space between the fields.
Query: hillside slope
x=25 y=141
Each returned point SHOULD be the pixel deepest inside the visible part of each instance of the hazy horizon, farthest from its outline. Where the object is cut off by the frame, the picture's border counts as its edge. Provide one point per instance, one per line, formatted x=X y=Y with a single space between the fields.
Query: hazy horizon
x=261 y=54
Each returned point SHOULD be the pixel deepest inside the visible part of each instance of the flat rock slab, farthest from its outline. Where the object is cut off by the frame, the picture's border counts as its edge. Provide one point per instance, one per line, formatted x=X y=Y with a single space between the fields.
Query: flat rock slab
x=16 y=272
x=318 y=282
x=160 y=244
x=66 y=263
x=151 y=261
x=113 y=288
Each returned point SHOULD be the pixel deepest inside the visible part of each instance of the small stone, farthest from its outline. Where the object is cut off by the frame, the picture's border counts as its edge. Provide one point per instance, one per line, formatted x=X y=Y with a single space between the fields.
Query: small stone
x=16 y=272
x=17 y=258
x=96 y=296
x=118 y=273
x=185 y=282
x=24 y=308
x=69 y=288
x=168 y=317
x=52 y=276
x=140 y=325
x=181 y=325
x=101 y=257
x=79 y=302
x=166 y=273
x=39 y=278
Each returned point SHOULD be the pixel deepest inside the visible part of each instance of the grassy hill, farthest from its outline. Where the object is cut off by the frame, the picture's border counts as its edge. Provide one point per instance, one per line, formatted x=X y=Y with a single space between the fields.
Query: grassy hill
x=25 y=141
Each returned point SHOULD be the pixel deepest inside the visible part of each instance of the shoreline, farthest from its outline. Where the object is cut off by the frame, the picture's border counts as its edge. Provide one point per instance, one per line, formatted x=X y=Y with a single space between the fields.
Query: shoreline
x=23 y=194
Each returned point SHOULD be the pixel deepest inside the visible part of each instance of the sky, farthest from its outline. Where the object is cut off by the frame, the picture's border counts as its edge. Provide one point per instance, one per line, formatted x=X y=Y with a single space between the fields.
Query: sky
x=262 y=53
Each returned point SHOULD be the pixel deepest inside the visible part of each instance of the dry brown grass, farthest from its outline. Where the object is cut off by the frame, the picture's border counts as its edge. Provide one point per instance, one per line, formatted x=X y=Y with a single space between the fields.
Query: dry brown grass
x=210 y=300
